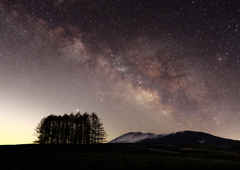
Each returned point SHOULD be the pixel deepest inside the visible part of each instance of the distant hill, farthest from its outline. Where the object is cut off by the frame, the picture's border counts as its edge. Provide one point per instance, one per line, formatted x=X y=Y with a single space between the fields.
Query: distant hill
x=132 y=137
x=183 y=137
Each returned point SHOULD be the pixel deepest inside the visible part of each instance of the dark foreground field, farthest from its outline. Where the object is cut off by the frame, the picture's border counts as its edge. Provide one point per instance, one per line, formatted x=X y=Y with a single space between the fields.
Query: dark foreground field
x=117 y=156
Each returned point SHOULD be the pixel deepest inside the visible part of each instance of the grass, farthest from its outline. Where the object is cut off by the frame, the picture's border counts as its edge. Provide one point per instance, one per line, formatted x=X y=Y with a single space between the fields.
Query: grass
x=111 y=157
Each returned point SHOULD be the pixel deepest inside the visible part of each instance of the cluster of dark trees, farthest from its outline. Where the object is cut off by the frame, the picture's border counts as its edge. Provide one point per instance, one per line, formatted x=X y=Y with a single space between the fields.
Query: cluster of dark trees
x=70 y=129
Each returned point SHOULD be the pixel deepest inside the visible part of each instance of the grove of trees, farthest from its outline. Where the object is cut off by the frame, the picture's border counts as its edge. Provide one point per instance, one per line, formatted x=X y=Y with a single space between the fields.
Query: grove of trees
x=70 y=129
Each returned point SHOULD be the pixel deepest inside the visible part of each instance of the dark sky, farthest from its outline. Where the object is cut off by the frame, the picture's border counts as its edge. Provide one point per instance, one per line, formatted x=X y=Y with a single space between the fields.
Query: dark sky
x=150 y=66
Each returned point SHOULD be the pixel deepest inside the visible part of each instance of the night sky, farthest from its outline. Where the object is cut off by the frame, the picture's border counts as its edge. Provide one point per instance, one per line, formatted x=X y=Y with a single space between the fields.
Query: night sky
x=150 y=66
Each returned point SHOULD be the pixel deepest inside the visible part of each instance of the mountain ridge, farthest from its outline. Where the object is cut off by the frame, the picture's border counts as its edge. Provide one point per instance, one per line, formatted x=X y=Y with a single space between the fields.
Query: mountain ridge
x=181 y=137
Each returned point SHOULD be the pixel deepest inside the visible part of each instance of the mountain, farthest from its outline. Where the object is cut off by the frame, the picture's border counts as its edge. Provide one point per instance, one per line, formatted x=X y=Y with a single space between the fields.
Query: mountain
x=132 y=137
x=183 y=137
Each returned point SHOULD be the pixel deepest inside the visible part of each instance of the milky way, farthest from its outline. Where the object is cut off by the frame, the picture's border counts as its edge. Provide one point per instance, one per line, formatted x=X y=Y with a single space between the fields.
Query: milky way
x=141 y=66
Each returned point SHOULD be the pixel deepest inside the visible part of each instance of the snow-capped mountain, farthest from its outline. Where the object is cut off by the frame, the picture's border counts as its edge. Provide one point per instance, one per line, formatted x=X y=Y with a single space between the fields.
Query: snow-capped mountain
x=183 y=137
x=132 y=137
x=136 y=137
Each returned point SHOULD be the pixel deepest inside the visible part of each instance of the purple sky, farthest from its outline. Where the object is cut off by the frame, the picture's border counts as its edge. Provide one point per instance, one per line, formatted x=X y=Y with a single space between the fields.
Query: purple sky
x=149 y=66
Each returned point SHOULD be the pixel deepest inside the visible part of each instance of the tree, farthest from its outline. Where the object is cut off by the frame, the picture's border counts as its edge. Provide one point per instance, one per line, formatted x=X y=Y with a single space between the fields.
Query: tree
x=71 y=125
x=87 y=129
x=101 y=134
x=78 y=135
x=39 y=132
x=98 y=133
x=94 y=125
x=65 y=129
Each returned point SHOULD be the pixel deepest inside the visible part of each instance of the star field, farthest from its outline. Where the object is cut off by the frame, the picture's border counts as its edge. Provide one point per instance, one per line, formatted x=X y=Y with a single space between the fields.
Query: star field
x=150 y=66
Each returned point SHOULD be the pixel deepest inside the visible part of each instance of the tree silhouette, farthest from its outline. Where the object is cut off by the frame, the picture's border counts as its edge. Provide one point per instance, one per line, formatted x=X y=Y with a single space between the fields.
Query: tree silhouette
x=71 y=123
x=78 y=135
x=86 y=128
x=101 y=134
x=65 y=128
x=39 y=132
x=94 y=125
x=98 y=132
x=70 y=129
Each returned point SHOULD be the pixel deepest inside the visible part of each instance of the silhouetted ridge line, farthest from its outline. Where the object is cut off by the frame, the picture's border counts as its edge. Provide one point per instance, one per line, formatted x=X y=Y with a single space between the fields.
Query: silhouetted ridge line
x=183 y=137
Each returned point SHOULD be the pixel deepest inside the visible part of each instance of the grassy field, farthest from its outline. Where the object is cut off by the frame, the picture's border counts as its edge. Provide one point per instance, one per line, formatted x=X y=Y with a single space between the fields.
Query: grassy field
x=117 y=156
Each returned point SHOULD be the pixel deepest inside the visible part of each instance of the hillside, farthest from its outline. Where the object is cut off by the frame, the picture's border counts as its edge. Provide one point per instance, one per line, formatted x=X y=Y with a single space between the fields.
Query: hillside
x=183 y=137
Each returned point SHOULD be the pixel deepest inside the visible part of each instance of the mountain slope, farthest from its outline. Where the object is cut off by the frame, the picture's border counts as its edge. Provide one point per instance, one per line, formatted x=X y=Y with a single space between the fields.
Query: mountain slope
x=184 y=137
x=132 y=137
